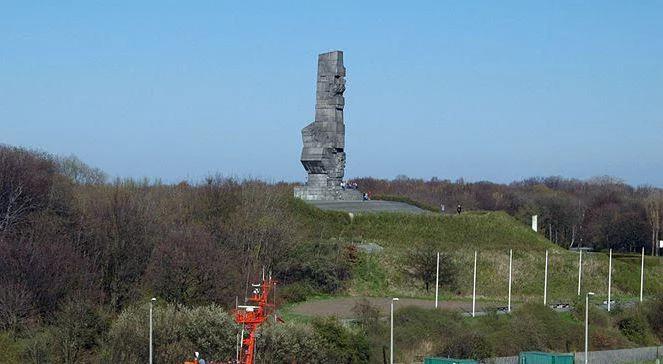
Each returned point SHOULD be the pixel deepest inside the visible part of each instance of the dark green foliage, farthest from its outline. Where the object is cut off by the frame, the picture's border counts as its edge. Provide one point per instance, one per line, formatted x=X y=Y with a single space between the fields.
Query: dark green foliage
x=323 y=265
x=655 y=316
x=77 y=328
x=471 y=345
x=534 y=327
x=340 y=344
x=634 y=326
x=178 y=332
x=322 y=341
x=10 y=349
x=421 y=262
x=295 y=292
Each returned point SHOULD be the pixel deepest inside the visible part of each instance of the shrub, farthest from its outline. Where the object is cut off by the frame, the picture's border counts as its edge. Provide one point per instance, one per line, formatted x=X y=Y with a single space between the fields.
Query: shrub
x=472 y=345
x=340 y=345
x=655 y=316
x=295 y=292
x=10 y=349
x=178 y=332
x=421 y=263
x=634 y=326
x=322 y=341
x=535 y=327
x=78 y=327
x=323 y=265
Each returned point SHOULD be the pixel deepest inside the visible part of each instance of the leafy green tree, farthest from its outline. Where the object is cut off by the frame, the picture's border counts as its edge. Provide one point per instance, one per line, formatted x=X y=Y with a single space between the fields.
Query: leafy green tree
x=421 y=263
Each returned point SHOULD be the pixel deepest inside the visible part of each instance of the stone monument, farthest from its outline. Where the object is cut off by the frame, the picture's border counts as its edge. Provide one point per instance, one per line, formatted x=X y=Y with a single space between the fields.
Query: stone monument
x=323 y=154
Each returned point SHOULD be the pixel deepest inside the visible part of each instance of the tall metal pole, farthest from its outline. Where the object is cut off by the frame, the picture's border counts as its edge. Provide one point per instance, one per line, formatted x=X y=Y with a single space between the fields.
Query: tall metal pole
x=510 y=265
x=609 y=278
x=151 y=304
x=545 y=282
x=437 y=278
x=474 y=286
x=642 y=273
x=391 y=341
x=587 y=326
x=237 y=347
x=579 y=272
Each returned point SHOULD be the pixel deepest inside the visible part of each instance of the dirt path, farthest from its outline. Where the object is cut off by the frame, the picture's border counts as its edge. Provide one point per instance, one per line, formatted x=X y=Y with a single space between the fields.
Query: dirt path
x=341 y=307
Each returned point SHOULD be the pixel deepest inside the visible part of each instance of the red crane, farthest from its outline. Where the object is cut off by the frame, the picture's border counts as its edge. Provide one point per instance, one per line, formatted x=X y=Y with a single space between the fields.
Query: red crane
x=252 y=316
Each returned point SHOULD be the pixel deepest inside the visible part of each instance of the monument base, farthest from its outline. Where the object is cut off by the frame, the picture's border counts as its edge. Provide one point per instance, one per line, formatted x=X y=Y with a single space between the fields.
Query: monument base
x=314 y=193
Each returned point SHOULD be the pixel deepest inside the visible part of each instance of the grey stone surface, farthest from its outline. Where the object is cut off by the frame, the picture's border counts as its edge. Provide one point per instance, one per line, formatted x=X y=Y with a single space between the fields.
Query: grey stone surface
x=367 y=206
x=323 y=154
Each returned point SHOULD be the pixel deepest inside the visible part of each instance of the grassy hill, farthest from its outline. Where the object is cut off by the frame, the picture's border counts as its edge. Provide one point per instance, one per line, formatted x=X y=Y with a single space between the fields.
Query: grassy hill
x=492 y=234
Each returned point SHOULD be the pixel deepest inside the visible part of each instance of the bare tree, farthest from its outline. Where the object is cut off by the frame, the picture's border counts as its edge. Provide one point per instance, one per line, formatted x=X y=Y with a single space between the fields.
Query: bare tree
x=654 y=205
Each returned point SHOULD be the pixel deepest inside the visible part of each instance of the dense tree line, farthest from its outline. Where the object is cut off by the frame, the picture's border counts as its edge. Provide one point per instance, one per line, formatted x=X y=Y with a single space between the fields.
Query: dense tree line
x=601 y=212
x=77 y=250
x=81 y=254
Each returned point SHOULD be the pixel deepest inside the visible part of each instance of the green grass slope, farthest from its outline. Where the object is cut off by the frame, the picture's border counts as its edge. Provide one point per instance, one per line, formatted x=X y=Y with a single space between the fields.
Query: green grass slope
x=492 y=234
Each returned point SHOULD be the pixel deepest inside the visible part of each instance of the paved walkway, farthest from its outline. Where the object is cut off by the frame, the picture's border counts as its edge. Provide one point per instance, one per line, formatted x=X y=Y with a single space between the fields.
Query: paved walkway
x=367 y=206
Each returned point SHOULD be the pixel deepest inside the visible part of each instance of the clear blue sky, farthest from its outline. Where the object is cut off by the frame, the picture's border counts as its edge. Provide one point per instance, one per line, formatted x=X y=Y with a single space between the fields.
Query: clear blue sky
x=484 y=90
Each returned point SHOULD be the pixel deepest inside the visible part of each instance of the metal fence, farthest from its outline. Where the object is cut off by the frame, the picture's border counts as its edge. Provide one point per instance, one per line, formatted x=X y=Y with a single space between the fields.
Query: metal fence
x=600 y=357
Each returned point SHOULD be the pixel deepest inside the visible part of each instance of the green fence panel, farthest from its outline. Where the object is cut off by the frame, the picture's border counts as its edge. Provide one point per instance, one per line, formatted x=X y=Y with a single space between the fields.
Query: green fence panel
x=536 y=357
x=449 y=361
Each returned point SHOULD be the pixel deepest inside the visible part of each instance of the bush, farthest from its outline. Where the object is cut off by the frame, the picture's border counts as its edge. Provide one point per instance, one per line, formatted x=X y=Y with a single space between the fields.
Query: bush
x=655 y=316
x=78 y=327
x=323 y=265
x=534 y=327
x=178 y=332
x=421 y=263
x=322 y=341
x=295 y=292
x=340 y=345
x=634 y=326
x=10 y=349
x=471 y=345
x=38 y=346
x=288 y=343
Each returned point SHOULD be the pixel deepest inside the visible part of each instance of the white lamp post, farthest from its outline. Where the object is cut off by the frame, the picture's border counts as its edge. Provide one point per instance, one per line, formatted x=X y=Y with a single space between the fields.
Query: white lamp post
x=510 y=264
x=579 y=271
x=474 y=285
x=391 y=341
x=642 y=273
x=437 y=278
x=587 y=326
x=609 y=279
x=151 y=304
x=545 y=282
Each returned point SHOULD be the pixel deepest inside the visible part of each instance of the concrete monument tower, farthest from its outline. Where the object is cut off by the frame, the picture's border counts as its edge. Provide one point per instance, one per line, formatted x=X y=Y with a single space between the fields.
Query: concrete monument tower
x=323 y=154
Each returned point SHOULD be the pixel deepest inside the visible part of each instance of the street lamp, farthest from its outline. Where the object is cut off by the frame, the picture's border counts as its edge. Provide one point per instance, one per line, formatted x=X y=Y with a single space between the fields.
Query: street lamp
x=151 y=304
x=391 y=344
x=587 y=326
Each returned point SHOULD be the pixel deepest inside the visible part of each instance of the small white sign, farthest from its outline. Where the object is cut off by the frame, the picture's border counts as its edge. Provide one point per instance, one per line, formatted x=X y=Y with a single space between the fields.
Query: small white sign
x=535 y=223
x=660 y=244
